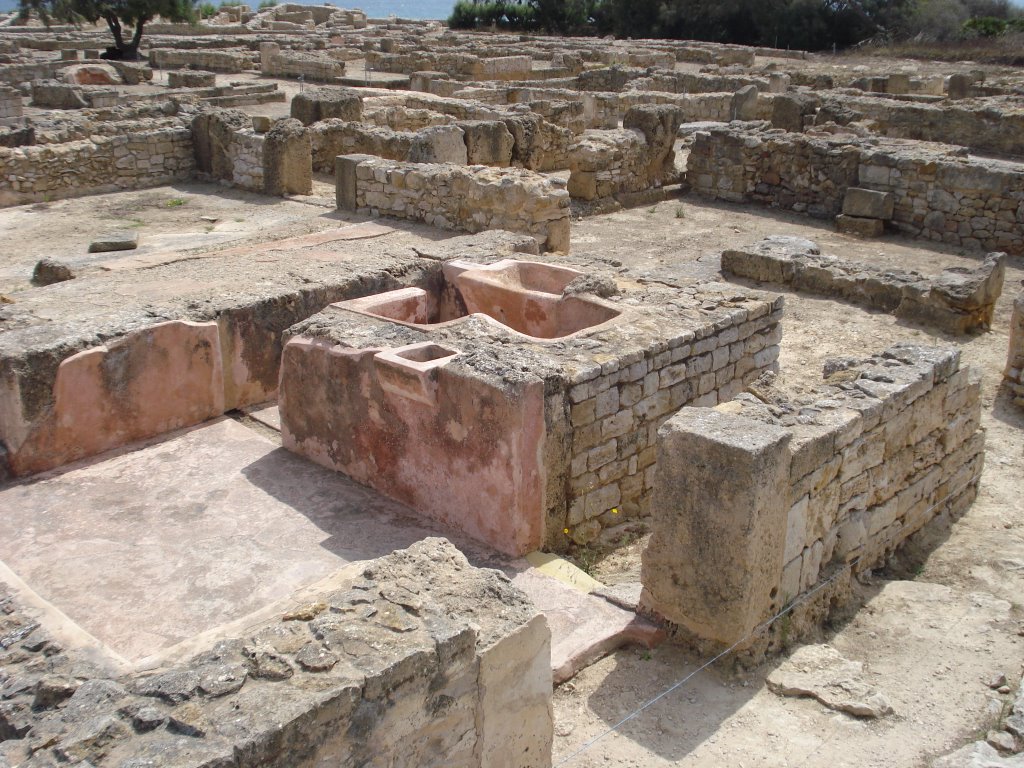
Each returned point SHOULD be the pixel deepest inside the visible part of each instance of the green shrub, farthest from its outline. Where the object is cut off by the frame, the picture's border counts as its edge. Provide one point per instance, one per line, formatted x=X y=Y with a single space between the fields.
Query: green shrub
x=207 y=10
x=265 y=4
x=986 y=26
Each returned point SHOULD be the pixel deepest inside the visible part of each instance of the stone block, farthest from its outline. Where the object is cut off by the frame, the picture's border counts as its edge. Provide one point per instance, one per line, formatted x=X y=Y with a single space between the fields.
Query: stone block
x=488 y=143
x=744 y=104
x=859 y=227
x=287 y=159
x=345 y=171
x=123 y=240
x=323 y=103
x=720 y=494
x=868 y=204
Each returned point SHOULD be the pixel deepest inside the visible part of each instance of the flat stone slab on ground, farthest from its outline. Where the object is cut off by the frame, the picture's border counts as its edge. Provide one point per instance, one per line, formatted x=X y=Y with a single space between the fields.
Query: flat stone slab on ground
x=147 y=549
x=122 y=240
x=584 y=628
x=822 y=672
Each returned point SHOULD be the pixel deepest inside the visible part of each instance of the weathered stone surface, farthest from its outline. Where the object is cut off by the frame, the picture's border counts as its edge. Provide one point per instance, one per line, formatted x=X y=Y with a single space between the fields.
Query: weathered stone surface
x=958 y=300
x=744 y=104
x=488 y=143
x=867 y=203
x=469 y=683
x=315 y=104
x=122 y=240
x=736 y=531
x=978 y=755
x=48 y=271
x=859 y=227
x=287 y=159
x=822 y=672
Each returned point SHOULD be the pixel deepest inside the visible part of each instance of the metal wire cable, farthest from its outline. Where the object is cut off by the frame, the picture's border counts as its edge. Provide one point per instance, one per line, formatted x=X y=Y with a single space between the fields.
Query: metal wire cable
x=749 y=636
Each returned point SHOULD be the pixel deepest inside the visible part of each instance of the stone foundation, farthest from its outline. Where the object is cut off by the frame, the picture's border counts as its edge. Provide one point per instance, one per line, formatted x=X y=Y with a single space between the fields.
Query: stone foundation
x=214 y=61
x=957 y=301
x=315 y=67
x=772 y=497
x=133 y=160
x=416 y=658
x=515 y=200
x=939 y=193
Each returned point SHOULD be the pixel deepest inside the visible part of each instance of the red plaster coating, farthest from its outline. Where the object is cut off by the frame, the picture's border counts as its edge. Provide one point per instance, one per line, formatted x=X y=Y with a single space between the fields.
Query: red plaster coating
x=150 y=382
x=471 y=459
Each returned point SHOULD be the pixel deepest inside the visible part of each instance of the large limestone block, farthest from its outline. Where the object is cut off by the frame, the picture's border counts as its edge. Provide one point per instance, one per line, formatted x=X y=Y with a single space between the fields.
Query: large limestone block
x=719 y=522
x=288 y=159
x=744 y=104
x=868 y=203
x=439 y=144
x=488 y=143
x=322 y=103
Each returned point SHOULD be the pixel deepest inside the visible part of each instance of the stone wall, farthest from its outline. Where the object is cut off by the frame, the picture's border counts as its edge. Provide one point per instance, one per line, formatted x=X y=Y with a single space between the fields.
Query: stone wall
x=761 y=500
x=10 y=103
x=437 y=144
x=315 y=67
x=135 y=160
x=416 y=658
x=616 y=413
x=636 y=158
x=991 y=128
x=957 y=301
x=214 y=61
x=451 y=196
x=939 y=193
x=1014 y=371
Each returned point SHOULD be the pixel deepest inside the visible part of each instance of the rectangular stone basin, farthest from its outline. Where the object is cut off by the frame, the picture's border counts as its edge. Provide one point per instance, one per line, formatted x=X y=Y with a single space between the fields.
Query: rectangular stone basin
x=525 y=297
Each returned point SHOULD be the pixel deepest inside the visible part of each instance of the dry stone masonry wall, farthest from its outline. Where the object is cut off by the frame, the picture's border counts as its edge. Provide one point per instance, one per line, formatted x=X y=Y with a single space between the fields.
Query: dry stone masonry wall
x=469 y=199
x=779 y=494
x=101 y=164
x=938 y=192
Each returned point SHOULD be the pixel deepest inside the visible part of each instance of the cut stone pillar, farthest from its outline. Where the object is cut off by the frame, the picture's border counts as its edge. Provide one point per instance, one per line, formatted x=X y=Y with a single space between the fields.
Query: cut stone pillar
x=720 y=513
x=345 y=180
x=288 y=159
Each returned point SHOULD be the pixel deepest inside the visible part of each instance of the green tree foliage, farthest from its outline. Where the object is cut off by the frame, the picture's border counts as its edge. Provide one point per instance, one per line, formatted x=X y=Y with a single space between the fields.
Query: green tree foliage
x=118 y=14
x=483 y=14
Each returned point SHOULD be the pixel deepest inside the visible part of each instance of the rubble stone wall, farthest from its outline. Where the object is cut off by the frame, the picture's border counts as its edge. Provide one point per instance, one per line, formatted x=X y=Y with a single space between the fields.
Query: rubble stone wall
x=939 y=193
x=10 y=103
x=615 y=414
x=452 y=668
x=103 y=164
x=214 y=61
x=640 y=156
x=778 y=495
x=311 y=66
x=983 y=129
x=449 y=196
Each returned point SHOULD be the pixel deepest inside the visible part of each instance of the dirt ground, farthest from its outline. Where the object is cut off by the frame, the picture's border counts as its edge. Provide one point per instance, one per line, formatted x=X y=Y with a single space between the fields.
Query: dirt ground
x=936 y=626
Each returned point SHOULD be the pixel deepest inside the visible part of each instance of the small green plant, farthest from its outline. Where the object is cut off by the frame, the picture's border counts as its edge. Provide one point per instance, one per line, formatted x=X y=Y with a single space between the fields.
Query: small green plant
x=680 y=212
x=207 y=11
x=175 y=202
x=265 y=4
x=652 y=209
x=646 y=655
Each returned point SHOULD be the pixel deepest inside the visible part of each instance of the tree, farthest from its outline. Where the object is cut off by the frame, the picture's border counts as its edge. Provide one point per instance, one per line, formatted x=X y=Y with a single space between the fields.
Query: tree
x=117 y=13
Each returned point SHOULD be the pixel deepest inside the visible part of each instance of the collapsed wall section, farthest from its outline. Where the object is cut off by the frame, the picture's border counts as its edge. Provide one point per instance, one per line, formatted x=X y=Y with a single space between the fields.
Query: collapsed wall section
x=773 y=499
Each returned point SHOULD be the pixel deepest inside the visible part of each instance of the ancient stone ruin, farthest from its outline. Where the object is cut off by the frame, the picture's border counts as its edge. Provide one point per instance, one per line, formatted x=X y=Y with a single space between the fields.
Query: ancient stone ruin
x=338 y=355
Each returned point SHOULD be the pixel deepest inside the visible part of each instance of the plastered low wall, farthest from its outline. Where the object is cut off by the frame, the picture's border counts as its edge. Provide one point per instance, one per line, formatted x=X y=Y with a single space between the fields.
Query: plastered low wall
x=939 y=193
x=102 y=164
x=755 y=506
x=468 y=199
